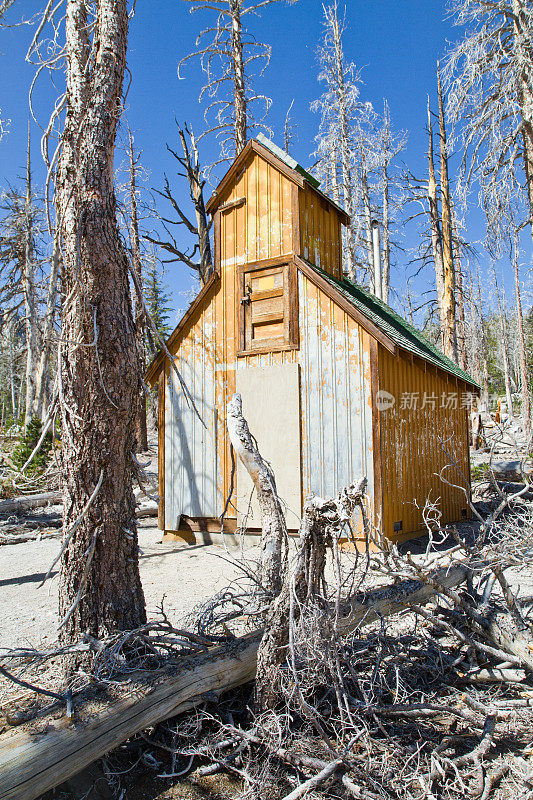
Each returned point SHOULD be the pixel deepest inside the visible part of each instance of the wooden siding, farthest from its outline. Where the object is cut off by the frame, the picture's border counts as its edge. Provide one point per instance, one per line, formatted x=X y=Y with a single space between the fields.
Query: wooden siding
x=190 y=443
x=261 y=227
x=336 y=395
x=339 y=431
x=320 y=232
x=342 y=367
x=412 y=442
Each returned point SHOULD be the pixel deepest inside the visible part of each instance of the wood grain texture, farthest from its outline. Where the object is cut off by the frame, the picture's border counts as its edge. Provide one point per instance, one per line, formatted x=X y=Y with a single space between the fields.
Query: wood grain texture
x=376 y=433
x=161 y=448
x=343 y=303
x=33 y=763
x=424 y=431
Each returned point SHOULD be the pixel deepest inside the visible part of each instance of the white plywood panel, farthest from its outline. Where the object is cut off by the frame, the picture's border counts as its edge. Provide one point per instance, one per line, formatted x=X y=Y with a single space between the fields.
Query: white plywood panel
x=271 y=406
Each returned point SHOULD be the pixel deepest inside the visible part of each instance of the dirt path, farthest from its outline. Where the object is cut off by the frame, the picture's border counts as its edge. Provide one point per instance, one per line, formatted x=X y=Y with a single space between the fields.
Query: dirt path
x=186 y=575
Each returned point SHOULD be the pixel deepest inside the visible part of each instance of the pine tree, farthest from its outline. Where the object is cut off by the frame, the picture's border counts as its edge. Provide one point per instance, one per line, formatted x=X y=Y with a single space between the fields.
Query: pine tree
x=157 y=301
x=100 y=588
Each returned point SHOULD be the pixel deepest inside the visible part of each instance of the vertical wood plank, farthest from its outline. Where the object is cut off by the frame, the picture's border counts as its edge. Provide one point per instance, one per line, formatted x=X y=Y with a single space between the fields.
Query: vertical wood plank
x=295 y=205
x=161 y=447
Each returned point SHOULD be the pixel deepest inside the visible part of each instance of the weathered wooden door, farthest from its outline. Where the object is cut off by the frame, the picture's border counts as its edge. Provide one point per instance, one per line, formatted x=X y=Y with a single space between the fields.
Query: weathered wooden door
x=271 y=406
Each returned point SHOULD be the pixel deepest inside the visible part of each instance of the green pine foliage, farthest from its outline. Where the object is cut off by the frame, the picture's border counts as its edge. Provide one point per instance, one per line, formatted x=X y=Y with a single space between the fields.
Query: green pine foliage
x=157 y=300
x=26 y=444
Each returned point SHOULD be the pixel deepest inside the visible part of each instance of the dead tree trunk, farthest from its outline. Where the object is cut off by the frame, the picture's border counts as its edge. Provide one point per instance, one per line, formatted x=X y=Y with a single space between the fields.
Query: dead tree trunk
x=450 y=332
x=484 y=365
x=43 y=369
x=436 y=235
x=303 y=584
x=522 y=48
x=524 y=380
x=100 y=588
x=191 y=164
x=274 y=530
x=368 y=222
x=241 y=121
x=12 y=378
x=141 y=432
x=460 y=300
x=385 y=279
x=344 y=142
x=505 y=355
x=30 y=295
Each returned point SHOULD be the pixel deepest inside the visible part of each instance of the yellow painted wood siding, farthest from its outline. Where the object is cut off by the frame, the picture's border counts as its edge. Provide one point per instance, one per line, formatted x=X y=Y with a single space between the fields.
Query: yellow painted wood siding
x=320 y=233
x=261 y=227
x=414 y=440
x=336 y=423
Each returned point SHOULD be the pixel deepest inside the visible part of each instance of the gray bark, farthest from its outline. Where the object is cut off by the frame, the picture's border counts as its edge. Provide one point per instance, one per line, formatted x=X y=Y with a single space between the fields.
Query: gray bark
x=100 y=589
x=274 y=529
x=141 y=431
x=524 y=379
x=42 y=381
x=30 y=296
x=436 y=235
x=241 y=122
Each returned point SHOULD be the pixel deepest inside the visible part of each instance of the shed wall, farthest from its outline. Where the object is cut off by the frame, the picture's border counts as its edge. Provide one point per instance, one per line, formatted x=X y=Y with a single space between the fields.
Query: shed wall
x=336 y=395
x=190 y=444
x=336 y=416
x=277 y=219
x=414 y=440
x=320 y=233
x=261 y=227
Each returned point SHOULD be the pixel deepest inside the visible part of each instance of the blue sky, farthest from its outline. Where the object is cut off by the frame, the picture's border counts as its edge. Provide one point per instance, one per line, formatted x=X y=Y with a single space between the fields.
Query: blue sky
x=396 y=42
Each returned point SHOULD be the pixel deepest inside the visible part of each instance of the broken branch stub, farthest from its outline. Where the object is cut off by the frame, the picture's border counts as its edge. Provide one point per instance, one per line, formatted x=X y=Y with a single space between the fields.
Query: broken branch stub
x=274 y=529
x=323 y=524
x=31 y=765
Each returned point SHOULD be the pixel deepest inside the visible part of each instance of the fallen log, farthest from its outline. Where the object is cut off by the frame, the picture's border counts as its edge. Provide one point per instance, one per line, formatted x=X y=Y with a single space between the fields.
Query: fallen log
x=493 y=675
x=146 y=510
x=46 y=752
x=13 y=535
x=17 y=505
x=33 y=527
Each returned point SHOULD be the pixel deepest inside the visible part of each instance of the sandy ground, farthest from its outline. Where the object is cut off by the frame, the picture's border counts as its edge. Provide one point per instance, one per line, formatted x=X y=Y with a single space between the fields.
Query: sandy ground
x=186 y=575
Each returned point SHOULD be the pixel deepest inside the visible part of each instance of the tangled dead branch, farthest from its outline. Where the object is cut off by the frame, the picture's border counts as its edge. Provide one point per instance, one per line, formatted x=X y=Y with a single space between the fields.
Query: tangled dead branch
x=395 y=672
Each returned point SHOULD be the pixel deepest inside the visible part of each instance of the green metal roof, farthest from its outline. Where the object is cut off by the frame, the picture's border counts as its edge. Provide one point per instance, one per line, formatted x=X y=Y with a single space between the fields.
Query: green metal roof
x=395 y=327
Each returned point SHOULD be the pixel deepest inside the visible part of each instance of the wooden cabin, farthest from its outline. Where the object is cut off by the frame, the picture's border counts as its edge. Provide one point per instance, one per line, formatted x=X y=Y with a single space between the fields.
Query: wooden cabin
x=335 y=385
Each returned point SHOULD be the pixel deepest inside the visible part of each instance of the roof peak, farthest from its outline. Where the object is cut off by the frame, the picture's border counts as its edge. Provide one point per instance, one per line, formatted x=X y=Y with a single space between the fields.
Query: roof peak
x=287 y=159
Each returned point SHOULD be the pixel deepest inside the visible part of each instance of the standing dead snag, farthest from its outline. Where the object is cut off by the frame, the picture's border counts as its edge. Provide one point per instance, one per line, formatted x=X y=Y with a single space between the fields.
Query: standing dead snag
x=274 y=529
x=449 y=316
x=100 y=587
x=228 y=53
x=190 y=163
x=140 y=420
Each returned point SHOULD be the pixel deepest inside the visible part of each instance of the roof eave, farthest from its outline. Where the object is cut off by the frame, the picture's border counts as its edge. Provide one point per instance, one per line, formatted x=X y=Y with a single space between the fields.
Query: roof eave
x=253 y=146
x=158 y=361
x=350 y=309
x=374 y=330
